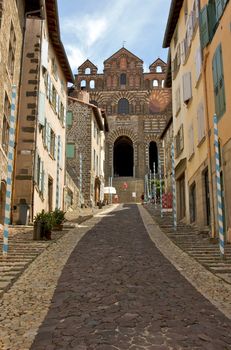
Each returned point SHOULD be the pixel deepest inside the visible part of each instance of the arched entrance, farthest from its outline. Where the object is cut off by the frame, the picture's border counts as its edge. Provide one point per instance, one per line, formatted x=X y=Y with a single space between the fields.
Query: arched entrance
x=2 y=201
x=123 y=156
x=153 y=156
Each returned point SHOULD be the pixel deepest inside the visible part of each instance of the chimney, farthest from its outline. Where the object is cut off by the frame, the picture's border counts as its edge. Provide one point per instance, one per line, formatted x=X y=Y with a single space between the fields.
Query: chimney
x=83 y=95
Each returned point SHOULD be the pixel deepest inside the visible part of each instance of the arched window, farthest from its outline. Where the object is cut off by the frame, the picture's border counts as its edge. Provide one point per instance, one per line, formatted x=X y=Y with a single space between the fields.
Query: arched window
x=155 y=83
x=162 y=83
x=123 y=79
x=83 y=84
x=88 y=71
x=158 y=69
x=123 y=106
x=92 y=84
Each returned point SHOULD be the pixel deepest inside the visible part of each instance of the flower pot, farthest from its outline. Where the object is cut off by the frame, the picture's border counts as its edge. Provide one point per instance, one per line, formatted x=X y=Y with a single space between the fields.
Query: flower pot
x=58 y=227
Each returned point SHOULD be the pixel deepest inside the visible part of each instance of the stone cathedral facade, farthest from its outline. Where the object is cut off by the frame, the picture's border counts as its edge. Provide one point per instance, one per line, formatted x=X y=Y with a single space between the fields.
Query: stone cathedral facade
x=137 y=106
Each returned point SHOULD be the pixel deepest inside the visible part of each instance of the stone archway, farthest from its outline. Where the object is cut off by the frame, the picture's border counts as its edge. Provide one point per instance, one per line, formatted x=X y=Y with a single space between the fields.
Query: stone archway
x=123 y=157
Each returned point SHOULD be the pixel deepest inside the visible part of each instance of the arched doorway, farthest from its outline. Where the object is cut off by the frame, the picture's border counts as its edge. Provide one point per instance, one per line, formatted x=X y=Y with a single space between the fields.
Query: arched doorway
x=123 y=156
x=97 y=190
x=2 y=201
x=153 y=156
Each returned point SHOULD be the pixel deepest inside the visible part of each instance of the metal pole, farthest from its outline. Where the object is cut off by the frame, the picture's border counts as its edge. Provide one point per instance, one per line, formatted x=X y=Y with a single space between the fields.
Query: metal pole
x=220 y=209
x=160 y=178
x=9 y=171
x=150 y=184
x=80 y=178
x=173 y=189
x=154 y=184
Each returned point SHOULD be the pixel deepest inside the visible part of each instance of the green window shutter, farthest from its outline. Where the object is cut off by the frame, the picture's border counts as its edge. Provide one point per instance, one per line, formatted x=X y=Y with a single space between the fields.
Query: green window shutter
x=218 y=82
x=41 y=109
x=69 y=118
x=204 y=26
x=70 y=150
x=36 y=167
x=212 y=19
x=219 y=8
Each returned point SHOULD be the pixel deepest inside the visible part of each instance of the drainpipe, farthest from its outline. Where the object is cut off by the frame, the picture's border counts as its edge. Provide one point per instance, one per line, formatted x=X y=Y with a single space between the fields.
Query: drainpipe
x=212 y=205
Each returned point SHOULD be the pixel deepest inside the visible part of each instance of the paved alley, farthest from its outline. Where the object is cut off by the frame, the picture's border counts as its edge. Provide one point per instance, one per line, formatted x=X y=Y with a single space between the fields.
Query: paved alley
x=117 y=291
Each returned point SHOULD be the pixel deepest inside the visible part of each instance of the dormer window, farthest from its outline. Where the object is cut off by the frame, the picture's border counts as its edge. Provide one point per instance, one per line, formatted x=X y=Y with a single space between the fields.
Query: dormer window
x=88 y=71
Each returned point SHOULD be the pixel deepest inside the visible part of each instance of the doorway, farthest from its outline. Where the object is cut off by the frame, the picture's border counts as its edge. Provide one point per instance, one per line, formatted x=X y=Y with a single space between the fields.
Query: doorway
x=123 y=157
x=2 y=201
x=153 y=156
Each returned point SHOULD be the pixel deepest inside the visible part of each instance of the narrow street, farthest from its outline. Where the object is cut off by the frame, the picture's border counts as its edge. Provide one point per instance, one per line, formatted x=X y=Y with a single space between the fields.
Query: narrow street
x=117 y=291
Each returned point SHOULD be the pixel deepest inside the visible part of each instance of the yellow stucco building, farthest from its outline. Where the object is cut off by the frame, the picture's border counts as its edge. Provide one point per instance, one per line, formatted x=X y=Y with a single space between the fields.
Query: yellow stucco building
x=182 y=36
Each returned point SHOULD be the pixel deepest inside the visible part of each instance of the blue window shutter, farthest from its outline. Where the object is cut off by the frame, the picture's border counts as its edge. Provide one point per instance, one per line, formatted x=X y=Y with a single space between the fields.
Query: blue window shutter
x=61 y=155
x=55 y=148
x=219 y=8
x=204 y=26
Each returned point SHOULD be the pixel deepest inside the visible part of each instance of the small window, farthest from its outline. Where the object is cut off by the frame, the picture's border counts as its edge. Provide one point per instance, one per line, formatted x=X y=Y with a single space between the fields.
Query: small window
x=83 y=83
x=123 y=79
x=12 y=49
x=159 y=69
x=92 y=84
x=88 y=71
x=155 y=83
x=69 y=118
x=162 y=83
x=70 y=150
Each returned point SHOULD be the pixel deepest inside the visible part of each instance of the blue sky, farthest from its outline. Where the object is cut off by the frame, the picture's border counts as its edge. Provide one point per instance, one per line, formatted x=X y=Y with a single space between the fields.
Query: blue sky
x=95 y=29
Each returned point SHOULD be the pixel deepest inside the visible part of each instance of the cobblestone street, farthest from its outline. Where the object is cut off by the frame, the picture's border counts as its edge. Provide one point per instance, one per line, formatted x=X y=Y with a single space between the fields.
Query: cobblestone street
x=117 y=291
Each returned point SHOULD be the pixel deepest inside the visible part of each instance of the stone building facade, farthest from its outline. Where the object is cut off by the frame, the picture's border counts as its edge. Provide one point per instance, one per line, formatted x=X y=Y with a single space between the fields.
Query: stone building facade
x=137 y=106
x=85 y=148
x=40 y=143
x=11 y=41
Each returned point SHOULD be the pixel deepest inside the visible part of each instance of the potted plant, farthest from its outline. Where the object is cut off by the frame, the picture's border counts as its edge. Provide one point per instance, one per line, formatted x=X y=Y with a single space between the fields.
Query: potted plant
x=43 y=223
x=58 y=219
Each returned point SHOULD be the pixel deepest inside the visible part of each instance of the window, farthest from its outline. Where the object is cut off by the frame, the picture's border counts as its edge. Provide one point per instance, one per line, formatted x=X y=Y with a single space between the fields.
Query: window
x=69 y=118
x=83 y=83
x=88 y=71
x=158 y=69
x=70 y=150
x=92 y=84
x=6 y=123
x=218 y=82
x=123 y=106
x=52 y=144
x=62 y=113
x=39 y=173
x=155 y=83
x=179 y=141
x=54 y=94
x=12 y=49
x=54 y=69
x=123 y=79
x=162 y=83
x=185 y=10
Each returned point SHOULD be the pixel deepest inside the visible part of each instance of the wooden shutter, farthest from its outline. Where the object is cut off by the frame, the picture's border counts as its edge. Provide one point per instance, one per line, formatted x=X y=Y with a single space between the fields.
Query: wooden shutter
x=200 y=122
x=187 y=87
x=198 y=60
x=48 y=138
x=204 y=26
x=36 y=167
x=218 y=82
x=69 y=118
x=183 y=51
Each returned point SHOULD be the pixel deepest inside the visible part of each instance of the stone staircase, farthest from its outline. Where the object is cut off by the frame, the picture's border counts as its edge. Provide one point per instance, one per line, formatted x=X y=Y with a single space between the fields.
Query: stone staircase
x=134 y=186
x=197 y=244
x=22 y=251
